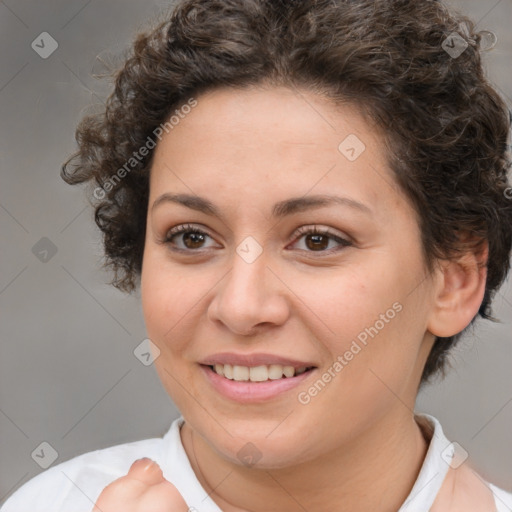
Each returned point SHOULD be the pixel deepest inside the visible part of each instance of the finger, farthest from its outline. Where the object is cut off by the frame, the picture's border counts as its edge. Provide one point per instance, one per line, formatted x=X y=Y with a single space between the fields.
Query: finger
x=146 y=471
x=142 y=488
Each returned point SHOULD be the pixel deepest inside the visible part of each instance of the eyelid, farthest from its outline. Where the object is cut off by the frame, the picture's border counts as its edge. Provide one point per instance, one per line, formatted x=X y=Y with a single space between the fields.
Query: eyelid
x=182 y=228
x=322 y=230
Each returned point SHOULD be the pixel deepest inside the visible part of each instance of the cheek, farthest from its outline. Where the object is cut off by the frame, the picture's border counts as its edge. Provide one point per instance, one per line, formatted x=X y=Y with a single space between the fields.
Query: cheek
x=168 y=297
x=368 y=317
x=343 y=303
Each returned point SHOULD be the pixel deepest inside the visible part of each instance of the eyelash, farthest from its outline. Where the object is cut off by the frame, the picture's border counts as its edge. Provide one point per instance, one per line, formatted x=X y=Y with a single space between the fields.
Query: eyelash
x=302 y=231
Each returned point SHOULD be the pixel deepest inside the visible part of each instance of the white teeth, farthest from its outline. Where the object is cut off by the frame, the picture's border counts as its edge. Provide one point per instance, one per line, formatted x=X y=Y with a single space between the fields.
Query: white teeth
x=260 y=373
x=289 y=371
x=275 y=371
x=240 y=372
x=228 y=371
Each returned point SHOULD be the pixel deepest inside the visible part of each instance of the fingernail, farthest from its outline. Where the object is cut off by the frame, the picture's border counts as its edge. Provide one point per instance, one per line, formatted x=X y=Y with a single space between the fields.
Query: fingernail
x=143 y=458
x=146 y=462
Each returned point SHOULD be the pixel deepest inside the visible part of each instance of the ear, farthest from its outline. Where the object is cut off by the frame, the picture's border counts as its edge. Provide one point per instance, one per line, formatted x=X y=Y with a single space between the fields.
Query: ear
x=459 y=292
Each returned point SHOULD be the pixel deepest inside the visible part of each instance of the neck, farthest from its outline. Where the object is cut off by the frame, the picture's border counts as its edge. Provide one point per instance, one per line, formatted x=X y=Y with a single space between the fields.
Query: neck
x=375 y=472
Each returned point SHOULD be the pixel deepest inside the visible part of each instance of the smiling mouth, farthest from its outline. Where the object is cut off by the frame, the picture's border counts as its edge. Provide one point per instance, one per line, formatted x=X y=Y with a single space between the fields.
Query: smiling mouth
x=261 y=373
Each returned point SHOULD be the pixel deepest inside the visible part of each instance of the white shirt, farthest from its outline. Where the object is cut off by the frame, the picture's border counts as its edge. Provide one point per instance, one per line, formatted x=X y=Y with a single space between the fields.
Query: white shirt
x=74 y=485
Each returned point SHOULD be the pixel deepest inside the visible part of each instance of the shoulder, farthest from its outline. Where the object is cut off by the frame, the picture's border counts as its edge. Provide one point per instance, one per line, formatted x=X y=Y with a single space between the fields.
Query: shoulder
x=454 y=484
x=465 y=490
x=74 y=485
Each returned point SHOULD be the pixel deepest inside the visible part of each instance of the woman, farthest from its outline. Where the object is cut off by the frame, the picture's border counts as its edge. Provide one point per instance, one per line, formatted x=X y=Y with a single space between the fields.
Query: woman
x=314 y=196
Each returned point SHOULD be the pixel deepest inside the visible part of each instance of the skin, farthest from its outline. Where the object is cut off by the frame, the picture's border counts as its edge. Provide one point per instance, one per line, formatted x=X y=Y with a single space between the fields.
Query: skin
x=244 y=151
x=144 y=488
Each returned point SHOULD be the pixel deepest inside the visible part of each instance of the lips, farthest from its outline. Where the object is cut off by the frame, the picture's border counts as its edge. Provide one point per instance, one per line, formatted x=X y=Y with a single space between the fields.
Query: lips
x=251 y=360
x=249 y=392
x=250 y=378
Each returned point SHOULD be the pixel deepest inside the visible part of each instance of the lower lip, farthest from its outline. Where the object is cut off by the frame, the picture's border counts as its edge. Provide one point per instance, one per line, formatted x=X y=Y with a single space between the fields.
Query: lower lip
x=253 y=392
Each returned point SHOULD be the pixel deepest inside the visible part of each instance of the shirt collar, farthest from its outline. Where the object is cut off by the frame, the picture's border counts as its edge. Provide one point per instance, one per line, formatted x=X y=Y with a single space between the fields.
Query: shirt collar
x=177 y=469
x=440 y=453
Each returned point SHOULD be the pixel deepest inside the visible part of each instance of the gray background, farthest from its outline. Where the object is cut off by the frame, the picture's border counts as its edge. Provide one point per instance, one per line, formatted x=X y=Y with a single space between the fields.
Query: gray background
x=68 y=374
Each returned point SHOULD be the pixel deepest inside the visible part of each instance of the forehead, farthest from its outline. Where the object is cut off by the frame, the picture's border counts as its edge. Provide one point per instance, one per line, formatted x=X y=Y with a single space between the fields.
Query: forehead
x=261 y=144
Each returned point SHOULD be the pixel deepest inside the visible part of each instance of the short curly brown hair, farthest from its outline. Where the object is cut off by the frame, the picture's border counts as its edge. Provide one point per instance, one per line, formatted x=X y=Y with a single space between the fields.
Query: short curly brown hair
x=445 y=126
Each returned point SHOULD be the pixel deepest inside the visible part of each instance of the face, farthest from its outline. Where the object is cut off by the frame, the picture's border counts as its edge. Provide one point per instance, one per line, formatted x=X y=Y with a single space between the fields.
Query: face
x=285 y=254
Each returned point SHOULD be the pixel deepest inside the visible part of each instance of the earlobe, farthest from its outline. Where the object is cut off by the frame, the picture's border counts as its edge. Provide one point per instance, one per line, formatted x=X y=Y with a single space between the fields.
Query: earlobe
x=459 y=292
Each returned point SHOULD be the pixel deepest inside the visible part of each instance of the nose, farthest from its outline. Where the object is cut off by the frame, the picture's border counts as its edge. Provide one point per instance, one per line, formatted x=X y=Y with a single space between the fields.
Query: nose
x=250 y=298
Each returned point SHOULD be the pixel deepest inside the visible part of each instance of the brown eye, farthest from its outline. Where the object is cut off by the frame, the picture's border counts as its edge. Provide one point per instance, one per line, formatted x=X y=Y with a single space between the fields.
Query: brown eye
x=317 y=242
x=188 y=238
x=193 y=240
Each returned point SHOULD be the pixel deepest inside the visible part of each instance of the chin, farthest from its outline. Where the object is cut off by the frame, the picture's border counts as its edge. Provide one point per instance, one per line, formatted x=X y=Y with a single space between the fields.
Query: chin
x=259 y=451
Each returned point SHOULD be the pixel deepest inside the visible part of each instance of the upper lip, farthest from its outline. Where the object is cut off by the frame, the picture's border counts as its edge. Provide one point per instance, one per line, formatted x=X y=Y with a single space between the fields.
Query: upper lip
x=258 y=359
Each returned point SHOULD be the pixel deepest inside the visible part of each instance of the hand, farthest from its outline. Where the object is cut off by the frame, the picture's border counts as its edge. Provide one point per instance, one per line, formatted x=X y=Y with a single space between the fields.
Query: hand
x=143 y=489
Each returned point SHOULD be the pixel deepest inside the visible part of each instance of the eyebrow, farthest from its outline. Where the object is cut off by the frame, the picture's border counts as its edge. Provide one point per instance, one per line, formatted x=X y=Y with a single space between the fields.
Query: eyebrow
x=280 y=210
